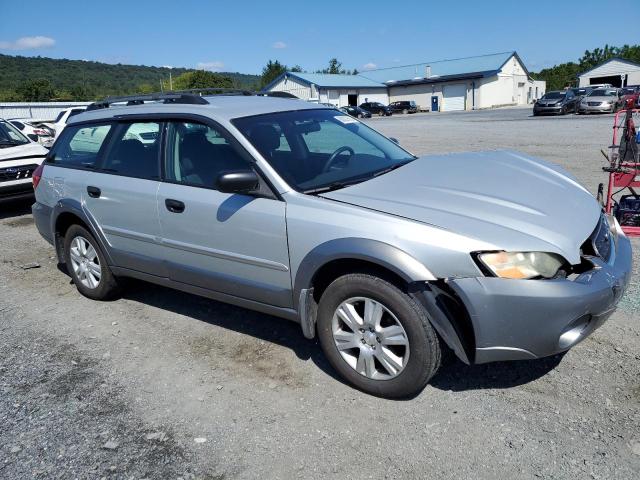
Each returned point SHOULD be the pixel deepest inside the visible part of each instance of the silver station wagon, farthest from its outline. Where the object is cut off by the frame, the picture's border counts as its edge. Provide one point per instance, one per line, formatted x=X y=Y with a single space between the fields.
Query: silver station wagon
x=306 y=213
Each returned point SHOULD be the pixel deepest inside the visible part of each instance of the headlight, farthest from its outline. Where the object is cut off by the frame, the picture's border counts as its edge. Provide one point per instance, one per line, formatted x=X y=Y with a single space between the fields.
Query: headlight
x=522 y=265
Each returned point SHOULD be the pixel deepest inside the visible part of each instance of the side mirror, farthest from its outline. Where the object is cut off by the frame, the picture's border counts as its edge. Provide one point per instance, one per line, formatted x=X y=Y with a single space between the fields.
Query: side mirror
x=394 y=140
x=243 y=181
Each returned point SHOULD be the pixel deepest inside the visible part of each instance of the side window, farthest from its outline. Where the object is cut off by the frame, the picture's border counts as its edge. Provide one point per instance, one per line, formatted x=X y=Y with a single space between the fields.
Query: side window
x=79 y=146
x=133 y=152
x=197 y=154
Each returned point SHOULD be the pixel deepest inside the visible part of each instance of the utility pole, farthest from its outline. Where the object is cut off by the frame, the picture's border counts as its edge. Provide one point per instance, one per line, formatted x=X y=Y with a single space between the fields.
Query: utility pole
x=170 y=81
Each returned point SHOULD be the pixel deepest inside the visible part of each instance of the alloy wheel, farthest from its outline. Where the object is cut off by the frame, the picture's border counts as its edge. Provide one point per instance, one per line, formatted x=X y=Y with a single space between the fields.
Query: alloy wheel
x=370 y=338
x=85 y=262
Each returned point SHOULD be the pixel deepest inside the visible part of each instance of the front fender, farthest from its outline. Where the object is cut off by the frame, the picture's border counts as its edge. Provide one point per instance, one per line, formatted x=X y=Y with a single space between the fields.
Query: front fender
x=373 y=251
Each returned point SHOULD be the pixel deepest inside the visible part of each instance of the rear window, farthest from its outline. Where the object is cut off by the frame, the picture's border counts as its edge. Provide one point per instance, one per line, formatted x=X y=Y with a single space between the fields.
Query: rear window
x=79 y=146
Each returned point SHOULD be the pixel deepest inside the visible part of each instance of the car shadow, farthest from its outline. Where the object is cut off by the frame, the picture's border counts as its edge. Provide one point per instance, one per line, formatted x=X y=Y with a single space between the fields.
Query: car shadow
x=456 y=376
x=248 y=322
x=15 y=208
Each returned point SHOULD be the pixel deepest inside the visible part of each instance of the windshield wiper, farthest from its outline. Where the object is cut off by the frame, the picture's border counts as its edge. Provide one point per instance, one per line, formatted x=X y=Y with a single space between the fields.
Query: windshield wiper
x=10 y=142
x=391 y=168
x=332 y=186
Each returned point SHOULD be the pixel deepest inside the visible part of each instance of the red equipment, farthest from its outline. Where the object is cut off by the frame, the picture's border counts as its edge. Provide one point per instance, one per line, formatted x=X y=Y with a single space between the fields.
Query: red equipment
x=622 y=200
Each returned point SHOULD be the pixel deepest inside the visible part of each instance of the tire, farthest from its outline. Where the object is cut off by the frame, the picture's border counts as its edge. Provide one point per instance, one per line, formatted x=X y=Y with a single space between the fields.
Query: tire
x=414 y=347
x=88 y=268
x=381 y=113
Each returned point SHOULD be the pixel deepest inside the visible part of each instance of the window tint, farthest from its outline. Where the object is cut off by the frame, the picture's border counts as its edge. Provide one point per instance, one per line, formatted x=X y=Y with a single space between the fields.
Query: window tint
x=197 y=154
x=134 y=151
x=20 y=125
x=79 y=146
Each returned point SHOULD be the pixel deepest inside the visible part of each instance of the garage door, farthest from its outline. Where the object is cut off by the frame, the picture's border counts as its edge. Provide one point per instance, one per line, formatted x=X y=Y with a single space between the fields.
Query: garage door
x=454 y=96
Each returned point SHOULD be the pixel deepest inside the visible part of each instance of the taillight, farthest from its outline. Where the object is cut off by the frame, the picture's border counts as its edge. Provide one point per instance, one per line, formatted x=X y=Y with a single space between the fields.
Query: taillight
x=39 y=131
x=37 y=175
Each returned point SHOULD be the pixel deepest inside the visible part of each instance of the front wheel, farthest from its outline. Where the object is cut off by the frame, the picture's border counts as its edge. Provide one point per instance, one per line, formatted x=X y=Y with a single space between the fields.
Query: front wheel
x=87 y=265
x=377 y=337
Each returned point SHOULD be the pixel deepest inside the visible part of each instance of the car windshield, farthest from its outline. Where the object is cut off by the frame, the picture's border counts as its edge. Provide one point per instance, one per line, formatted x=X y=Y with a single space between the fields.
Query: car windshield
x=318 y=150
x=552 y=95
x=627 y=91
x=601 y=92
x=10 y=136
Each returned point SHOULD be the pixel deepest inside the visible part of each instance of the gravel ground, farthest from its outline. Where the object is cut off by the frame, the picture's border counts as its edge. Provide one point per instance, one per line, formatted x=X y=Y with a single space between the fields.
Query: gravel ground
x=162 y=384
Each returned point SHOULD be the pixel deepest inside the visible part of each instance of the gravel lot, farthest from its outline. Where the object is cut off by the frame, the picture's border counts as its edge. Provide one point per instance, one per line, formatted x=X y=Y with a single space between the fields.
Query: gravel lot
x=162 y=384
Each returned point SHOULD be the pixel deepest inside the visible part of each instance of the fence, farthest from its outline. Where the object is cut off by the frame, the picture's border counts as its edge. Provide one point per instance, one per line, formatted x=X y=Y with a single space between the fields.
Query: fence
x=37 y=111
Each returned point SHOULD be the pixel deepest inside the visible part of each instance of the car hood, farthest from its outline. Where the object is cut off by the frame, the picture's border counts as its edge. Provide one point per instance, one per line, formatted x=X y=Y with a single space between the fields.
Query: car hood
x=506 y=199
x=550 y=101
x=21 y=151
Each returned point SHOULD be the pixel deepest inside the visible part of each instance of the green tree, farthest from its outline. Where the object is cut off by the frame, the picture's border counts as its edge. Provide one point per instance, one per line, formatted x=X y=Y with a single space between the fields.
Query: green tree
x=39 y=90
x=271 y=71
x=201 y=79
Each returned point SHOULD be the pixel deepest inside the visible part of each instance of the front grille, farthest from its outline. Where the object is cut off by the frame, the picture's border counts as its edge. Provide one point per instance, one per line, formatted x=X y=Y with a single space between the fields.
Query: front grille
x=9 y=174
x=594 y=104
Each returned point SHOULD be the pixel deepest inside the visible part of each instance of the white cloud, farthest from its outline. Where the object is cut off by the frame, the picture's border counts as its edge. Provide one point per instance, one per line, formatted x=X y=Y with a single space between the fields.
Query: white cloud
x=28 y=43
x=210 y=66
x=369 y=66
x=279 y=45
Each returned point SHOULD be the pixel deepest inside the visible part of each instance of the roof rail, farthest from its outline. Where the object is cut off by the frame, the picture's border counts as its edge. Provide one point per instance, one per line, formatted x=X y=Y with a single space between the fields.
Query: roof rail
x=192 y=96
x=169 y=97
x=220 y=91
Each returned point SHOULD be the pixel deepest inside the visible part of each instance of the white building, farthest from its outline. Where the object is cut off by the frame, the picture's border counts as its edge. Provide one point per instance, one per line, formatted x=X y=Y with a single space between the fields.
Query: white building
x=339 y=90
x=462 y=84
x=617 y=71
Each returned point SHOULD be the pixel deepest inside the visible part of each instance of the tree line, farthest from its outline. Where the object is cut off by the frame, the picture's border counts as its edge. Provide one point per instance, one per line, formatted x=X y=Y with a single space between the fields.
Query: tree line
x=565 y=74
x=40 y=79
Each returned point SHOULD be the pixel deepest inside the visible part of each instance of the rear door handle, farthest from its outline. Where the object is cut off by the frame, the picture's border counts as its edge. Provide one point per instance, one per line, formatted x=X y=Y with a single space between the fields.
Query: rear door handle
x=94 y=192
x=174 y=206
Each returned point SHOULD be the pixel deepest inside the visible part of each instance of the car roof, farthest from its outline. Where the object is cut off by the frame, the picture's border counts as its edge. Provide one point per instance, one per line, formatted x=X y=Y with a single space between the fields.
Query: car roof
x=219 y=107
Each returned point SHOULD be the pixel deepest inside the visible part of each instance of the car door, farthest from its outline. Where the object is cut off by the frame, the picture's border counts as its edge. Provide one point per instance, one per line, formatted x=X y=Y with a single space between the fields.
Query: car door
x=121 y=196
x=229 y=243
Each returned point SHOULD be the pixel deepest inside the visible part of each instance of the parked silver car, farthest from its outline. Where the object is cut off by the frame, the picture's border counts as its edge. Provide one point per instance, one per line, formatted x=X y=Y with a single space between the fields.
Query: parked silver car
x=601 y=100
x=306 y=213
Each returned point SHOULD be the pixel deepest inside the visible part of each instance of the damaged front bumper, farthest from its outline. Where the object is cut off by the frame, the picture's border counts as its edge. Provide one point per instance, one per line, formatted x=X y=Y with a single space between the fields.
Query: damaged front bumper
x=528 y=319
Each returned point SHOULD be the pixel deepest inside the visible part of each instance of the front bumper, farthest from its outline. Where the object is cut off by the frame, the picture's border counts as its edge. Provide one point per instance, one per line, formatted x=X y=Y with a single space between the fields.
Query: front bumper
x=527 y=319
x=547 y=110
x=595 y=109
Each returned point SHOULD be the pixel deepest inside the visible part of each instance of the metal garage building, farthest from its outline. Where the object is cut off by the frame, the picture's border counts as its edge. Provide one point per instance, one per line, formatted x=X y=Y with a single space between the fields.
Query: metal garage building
x=462 y=84
x=617 y=71
x=339 y=90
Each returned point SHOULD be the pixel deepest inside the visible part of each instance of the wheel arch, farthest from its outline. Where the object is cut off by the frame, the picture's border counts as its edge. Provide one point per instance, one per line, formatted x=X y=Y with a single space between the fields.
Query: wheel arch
x=69 y=212
x=335 y=258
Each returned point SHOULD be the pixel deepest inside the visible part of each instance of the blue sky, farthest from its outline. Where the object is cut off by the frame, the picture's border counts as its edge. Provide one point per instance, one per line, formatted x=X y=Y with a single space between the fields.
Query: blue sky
x=243 y=35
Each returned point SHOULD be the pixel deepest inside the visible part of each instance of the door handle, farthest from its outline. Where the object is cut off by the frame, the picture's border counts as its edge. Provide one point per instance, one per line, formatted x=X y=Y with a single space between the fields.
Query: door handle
x=94 y=192
x=174 y=206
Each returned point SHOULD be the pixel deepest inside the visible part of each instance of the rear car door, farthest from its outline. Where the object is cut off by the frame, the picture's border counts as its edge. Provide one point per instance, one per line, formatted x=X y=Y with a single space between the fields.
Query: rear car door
x=121 y=196
x=229 y=243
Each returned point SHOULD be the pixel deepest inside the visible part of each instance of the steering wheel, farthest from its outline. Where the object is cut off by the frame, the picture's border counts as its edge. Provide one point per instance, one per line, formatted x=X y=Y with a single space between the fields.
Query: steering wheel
x=334 y=155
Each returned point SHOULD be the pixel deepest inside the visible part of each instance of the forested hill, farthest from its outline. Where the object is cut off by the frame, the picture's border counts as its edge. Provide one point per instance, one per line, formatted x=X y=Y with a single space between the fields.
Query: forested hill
x=85 y=80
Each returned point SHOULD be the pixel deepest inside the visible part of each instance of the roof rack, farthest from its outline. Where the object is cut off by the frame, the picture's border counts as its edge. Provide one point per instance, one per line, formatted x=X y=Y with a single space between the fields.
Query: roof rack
x=192 y=96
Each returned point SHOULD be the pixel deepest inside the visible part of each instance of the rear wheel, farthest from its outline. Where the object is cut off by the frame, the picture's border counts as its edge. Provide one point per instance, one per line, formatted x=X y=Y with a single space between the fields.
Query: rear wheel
x=87 y=265
x=377 y=337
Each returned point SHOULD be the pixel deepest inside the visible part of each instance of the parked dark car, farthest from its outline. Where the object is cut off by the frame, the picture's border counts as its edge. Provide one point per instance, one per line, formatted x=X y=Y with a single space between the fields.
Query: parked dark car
x=559 y=102
x=405 y=106
x=377 y=108
x=356 y=111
